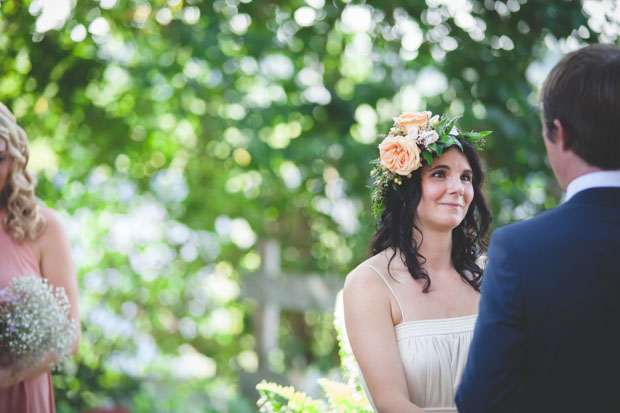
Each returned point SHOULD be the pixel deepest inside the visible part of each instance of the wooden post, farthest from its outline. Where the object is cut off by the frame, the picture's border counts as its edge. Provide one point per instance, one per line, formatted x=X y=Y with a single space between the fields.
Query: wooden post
x=267 y=318
x=273 y=291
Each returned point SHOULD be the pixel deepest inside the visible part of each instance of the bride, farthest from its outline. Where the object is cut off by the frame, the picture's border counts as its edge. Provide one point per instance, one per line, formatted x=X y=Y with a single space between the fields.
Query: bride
x=410 y=309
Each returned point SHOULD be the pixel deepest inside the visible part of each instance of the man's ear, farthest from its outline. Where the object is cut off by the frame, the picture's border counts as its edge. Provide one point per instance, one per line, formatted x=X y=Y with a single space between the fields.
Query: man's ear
x=560 y=134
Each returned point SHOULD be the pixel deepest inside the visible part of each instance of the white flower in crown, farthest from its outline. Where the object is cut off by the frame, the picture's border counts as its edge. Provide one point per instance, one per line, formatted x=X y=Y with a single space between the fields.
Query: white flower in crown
x=433 y=121
x=413 y=134
x=428 y=137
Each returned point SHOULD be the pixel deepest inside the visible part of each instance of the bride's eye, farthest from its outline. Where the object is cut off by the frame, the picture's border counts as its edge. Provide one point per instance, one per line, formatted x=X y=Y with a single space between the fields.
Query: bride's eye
x=438 y=174
x=466 y=178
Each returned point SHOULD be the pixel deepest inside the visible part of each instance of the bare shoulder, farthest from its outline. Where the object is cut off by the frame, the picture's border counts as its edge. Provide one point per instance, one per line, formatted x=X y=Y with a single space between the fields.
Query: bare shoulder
x=52 y=230
x=365 y=296
x=364 y=285
x=54 y=226
x=54 y=237
x=365 y=275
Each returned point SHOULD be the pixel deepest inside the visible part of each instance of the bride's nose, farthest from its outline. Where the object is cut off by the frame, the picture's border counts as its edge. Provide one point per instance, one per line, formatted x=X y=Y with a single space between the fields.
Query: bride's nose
x=456 y=186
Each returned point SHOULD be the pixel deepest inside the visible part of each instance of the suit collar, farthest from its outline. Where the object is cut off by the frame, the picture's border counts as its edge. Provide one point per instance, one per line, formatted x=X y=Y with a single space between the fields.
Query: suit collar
x=598 y=179
x=606 y=196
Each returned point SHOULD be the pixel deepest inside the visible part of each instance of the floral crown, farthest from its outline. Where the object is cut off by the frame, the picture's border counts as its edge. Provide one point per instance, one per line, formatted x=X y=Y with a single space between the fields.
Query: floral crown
x=414 y=138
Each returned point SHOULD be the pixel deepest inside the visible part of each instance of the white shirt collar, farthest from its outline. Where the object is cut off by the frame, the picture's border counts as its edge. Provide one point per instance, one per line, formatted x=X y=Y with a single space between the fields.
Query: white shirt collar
x=597 y=179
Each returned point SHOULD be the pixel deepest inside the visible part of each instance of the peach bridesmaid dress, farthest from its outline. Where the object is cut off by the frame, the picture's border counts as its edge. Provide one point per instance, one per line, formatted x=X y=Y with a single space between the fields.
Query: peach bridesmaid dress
x=35 y=395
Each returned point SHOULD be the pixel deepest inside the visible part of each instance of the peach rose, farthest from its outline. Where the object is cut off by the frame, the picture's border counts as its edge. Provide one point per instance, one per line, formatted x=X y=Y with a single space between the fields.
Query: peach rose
x=399 y=154
x=410 y=119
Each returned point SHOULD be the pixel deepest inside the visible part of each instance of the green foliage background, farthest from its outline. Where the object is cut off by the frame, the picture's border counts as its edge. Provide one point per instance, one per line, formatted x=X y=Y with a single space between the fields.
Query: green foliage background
x=175 y=135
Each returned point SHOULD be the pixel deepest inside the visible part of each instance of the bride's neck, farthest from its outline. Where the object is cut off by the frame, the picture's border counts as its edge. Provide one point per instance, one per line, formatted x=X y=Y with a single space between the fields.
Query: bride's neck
x=436 y=247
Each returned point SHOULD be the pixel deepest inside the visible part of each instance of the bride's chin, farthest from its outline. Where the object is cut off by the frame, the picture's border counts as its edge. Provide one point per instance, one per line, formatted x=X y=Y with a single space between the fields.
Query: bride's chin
x=452 y=221
x=447 y=226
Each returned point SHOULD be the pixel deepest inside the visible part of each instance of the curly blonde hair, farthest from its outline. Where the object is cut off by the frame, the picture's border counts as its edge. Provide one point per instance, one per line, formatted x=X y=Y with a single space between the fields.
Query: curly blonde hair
x=23 y=218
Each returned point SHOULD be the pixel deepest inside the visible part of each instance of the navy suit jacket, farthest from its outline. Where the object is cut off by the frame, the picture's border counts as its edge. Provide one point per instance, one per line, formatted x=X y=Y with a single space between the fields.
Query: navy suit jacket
x=547 y=338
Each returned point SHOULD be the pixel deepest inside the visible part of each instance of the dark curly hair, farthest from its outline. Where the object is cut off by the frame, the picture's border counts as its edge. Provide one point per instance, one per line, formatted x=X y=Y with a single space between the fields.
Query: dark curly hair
x=396 y=225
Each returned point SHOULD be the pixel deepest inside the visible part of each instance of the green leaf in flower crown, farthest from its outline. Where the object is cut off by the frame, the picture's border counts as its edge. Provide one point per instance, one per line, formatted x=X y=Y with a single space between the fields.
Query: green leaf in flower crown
x=441 y=127
x=432 y=147
x=446 y=139
x=474 y=136
x=451 y=123
x=440 y=149
x=457 y=143
x=427 y=157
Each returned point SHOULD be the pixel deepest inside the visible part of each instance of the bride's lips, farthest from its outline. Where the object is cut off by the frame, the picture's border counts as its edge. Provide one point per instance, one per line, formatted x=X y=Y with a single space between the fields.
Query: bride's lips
x=451 y=205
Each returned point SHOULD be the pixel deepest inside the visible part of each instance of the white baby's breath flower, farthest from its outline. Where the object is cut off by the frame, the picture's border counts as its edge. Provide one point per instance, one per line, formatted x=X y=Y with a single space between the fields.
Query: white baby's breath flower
x=40 y=322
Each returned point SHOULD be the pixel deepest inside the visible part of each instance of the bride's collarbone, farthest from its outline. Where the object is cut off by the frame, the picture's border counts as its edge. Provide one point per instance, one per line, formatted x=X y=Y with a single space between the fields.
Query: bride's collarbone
x=442 y=300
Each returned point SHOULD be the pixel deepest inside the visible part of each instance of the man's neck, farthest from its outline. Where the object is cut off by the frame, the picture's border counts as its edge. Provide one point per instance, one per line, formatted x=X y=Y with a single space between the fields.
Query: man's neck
x=572 y=168
x=577 y=172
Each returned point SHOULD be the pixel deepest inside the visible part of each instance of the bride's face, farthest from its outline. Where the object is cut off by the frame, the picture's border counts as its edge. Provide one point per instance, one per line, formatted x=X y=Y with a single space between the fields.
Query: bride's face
x=447 y=192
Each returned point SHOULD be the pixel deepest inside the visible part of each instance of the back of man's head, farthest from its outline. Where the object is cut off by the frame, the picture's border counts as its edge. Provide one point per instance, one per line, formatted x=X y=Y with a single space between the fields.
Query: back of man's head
x=583 y=93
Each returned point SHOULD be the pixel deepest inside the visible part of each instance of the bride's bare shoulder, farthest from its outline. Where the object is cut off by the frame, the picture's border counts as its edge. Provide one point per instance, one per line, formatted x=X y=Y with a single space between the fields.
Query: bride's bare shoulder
x=368 y=274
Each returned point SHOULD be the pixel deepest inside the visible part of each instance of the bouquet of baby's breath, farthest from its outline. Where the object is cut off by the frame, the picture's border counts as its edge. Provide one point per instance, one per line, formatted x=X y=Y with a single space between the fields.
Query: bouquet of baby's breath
x=34 y=321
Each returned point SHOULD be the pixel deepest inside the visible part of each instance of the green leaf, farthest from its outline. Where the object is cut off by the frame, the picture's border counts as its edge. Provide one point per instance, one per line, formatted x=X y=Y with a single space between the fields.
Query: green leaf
x=427 y=157
x=276 y=398
x=344 y=398
x=474 y=136
x=457 y=143
x=451 y=124
x=446 y=139
x=441 y=126
x=440 y=149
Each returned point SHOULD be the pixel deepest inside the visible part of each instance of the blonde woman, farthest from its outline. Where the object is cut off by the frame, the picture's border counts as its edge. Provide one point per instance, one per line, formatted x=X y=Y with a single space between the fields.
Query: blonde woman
x=32 y=241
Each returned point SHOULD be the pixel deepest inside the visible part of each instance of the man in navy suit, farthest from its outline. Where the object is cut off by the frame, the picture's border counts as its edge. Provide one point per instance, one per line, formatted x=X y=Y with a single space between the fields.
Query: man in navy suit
x=547 y=338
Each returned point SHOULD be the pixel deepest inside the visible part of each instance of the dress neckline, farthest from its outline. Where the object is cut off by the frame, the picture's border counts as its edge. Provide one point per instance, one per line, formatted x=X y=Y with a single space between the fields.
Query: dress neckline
x=436 y=327
x=438 y=320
